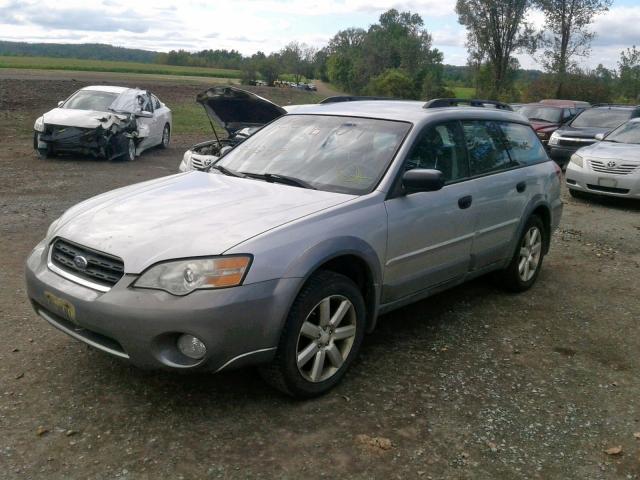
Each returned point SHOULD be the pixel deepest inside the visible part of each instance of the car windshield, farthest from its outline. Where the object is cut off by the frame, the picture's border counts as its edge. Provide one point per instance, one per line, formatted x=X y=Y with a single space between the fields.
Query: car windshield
x=545 y=114
x=602 y=117
x=627 y=133
x=90 y=100
x=333 y=153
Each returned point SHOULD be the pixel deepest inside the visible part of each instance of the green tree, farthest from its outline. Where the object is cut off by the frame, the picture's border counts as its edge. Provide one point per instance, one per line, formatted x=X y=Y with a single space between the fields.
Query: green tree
x=392 y=83
x=629 y=71
x=568 y=35
x=496 y=30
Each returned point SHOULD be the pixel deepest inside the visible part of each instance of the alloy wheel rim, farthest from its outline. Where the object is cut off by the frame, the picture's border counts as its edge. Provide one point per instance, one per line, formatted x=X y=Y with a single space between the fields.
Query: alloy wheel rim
x=132 y=150
x=530 y=254
x=326 y=338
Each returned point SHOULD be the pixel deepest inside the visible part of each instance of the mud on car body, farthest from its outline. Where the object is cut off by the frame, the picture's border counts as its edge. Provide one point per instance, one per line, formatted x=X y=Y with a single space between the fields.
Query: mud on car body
x=104 y=122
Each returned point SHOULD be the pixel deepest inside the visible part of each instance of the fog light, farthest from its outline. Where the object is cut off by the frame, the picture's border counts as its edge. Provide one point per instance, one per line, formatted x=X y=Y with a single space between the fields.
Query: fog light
x=191 y=346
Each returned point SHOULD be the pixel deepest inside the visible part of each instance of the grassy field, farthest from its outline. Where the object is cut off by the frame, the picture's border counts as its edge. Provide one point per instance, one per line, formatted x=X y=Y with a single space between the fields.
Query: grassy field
x=46 y=63
x=464 y=92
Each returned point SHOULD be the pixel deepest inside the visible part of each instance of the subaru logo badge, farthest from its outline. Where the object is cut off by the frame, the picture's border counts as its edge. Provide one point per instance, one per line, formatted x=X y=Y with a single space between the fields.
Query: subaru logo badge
x=611 y=164
x=80 y=262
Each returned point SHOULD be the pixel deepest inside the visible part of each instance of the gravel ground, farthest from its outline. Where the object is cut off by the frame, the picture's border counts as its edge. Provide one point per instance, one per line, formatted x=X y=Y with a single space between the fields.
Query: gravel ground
x=470 y=384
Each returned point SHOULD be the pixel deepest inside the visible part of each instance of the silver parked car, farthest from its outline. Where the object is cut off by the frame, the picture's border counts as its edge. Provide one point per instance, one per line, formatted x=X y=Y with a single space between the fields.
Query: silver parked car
x=609 y=167
x=286 y=252
x=104 y=122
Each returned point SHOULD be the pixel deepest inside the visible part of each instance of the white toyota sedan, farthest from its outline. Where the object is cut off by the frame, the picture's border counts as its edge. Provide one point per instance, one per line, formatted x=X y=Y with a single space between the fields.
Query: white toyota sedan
x=609 y=167
x=104 y=122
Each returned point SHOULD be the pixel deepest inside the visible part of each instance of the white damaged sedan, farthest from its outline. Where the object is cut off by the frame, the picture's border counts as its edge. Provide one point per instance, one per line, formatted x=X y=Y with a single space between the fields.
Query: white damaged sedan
x=609 y=167
x=104 y=122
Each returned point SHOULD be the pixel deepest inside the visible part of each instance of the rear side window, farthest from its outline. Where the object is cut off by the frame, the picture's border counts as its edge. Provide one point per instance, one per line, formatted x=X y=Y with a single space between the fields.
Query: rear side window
x=441 y=148
x=486 y=146
x=524 y=146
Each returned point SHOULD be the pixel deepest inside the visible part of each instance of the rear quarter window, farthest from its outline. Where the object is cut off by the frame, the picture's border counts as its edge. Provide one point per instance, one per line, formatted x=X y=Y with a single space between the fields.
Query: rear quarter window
x=523 y=144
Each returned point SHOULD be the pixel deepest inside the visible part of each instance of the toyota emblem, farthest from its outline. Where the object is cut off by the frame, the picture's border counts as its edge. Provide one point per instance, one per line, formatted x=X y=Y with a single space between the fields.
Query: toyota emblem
x=80 y=262
x=611 y=164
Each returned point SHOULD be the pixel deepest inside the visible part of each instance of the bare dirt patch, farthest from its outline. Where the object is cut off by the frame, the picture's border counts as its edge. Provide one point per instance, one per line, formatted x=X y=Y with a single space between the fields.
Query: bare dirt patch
x=470 y=384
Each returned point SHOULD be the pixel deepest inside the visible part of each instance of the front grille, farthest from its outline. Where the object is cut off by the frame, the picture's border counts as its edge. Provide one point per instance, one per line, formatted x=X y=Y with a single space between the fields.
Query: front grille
x=575 y=142
x=201 y=163
x=617 y=169
x=600 y=188
x=101 y=268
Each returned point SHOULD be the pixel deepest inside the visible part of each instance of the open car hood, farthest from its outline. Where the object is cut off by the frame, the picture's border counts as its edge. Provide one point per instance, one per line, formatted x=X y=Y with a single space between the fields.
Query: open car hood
x=236 y=109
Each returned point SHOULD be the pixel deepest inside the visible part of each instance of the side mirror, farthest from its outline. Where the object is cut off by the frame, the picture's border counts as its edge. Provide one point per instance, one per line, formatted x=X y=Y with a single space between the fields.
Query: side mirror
x=142 y=113
x=600 y=137
x=422 y=180
x=60 y=103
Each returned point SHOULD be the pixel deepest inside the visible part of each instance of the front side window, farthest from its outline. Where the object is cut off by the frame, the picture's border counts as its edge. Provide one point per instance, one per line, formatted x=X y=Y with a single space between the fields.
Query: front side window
x=156 y=102
x=441 y=148
x=332 y=153
x=524 y=146
x=486 y=146
x=90 y=100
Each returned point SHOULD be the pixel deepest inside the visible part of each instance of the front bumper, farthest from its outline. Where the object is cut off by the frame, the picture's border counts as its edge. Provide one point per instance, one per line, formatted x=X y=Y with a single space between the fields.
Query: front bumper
x=239 y=326
x=561 y=154
x=586 y=180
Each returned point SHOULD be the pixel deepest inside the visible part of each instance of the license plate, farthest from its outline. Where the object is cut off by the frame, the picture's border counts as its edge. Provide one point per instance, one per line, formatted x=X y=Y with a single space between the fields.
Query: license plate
x=63 y=307
x=607 y=182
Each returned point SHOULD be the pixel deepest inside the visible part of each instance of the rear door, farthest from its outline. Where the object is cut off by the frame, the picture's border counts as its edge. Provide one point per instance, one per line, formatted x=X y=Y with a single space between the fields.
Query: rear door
x=499 y=153
x=430 y=233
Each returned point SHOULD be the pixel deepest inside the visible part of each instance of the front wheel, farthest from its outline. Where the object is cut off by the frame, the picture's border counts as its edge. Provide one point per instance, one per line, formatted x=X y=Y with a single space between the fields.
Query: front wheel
x=322 y=336
x=130 y=154
x=166 y=136
x=525 y=266
x=42 y=153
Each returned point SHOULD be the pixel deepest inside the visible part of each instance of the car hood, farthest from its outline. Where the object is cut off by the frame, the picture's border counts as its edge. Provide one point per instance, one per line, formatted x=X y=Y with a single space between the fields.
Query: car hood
x=186 y=215
x=613 y=151
x=235 y=109
x=586 y=132
x=68 y=117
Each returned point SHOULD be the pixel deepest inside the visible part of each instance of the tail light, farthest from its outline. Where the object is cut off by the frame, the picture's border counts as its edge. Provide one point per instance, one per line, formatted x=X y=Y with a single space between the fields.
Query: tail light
x=558 y=170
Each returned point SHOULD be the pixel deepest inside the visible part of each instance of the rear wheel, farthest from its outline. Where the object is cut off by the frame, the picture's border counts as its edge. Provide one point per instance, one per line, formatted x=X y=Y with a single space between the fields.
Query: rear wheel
x=321 y=337
x=525 y=266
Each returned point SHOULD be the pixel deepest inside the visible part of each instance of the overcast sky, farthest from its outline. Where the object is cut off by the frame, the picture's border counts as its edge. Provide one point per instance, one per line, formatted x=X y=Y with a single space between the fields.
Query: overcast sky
x=266 y=25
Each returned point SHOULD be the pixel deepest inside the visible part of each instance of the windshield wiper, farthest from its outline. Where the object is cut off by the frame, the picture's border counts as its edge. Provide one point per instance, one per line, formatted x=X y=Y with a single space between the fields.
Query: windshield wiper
x=277 y=178
x=226 y=171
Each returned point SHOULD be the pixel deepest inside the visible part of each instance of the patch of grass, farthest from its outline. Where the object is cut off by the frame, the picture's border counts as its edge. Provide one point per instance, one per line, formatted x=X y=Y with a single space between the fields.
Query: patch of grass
x=46 y=63
x=190 y=118
x=464 y=92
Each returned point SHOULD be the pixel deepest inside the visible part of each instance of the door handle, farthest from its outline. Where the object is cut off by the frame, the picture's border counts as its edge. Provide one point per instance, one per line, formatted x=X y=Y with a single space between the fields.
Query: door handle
x=465 y=202
x=521 y=187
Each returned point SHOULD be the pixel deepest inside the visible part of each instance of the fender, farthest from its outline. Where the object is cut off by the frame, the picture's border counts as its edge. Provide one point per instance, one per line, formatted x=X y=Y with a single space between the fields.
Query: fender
x=313 y=258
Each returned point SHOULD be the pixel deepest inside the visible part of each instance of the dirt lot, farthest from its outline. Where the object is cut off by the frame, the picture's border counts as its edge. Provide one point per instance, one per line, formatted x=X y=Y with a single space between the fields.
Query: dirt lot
x=471 y=384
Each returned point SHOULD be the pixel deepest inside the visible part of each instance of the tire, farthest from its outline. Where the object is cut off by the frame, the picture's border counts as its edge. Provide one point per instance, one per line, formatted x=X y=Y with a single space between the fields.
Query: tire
x=166 y=136
x=130 y=154
x=519 y=276
x=578 y=194
x=311 y=360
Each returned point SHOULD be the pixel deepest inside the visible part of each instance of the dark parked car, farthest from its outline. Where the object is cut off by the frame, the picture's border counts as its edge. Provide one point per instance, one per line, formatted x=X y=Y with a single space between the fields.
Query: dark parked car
x=582 y=130
x=546 y=119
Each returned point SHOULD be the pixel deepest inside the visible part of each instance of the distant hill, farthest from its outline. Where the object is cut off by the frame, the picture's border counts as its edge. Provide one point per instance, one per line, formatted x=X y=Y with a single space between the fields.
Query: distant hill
x=87 y=51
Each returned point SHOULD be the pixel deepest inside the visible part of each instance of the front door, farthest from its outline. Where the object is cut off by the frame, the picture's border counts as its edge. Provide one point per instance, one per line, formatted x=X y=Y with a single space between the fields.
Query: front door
x=430 y=233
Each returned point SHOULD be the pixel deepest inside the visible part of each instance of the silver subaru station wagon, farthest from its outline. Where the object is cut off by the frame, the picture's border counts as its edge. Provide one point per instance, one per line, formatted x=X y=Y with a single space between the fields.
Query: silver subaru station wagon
x=290 y=247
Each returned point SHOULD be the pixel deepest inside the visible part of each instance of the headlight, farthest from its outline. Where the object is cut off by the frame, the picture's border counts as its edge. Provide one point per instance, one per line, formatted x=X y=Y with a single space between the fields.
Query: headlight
x=554 y=138
x=543 y=135
x=39 y=125
x=181 y=277
x=577 y=160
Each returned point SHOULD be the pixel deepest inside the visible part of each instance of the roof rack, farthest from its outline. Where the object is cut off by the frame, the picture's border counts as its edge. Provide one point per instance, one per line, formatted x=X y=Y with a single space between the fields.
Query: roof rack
x=352 y=98
x=475 y=102
x=614 y=105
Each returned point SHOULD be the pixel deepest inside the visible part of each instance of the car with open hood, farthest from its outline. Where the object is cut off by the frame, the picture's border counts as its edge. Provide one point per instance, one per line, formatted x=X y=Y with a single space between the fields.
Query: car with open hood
x=239 y=112
x=581 y=131
x=610 y=166
x=104 y=122
x=285 y=252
